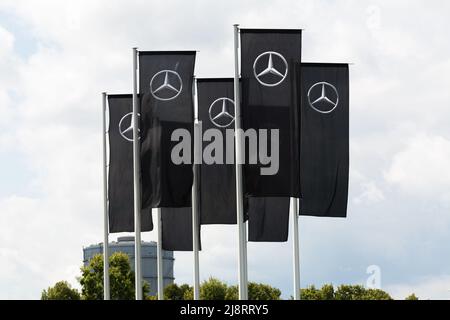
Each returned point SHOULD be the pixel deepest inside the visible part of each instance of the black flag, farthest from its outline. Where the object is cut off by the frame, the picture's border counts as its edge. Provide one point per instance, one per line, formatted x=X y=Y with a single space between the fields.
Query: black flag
x=217 y=179
x=120 y=176
x=269 y=101
x=324 y=147
x=165 y=82
x=268 y=219
x=177 y=229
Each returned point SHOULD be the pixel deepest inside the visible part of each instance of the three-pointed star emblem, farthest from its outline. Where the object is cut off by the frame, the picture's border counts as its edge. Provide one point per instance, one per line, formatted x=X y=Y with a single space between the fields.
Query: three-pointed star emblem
x=166 y=85
x=323 y=97
x=267 y=72
x=221 y=112
x=126 y=125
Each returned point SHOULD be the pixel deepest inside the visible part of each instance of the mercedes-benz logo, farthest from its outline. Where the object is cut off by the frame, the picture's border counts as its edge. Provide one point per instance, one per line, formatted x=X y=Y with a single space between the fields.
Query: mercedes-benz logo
x=270 y=68
x=323 y=97
x=126 y=125
x=221 y=112
x=166 y=85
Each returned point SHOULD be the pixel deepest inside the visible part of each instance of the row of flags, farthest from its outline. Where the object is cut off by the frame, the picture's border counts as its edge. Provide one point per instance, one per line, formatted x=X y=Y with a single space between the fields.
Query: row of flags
x=307 y=103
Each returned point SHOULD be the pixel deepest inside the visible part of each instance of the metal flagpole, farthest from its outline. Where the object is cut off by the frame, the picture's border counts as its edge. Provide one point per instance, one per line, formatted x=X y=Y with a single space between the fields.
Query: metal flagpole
x=136 y=182
x=242 y=257
x=295 y=248
x=159 y=257
x=195 y=208
x=106 y=294
x=244 y=236
x=245 y=242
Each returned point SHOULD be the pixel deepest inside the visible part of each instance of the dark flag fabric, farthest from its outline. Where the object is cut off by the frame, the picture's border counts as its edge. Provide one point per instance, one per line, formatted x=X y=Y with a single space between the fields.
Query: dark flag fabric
x=120 y=175
x=217 y=179
x=269 y=59
x=177 y=229
x=165 y=82
x=268 y=219
x=324 y=146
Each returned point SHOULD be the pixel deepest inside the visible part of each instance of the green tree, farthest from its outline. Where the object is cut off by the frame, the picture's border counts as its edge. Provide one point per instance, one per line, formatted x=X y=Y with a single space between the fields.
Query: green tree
x=232 y=293
x=213 y=289
x=175 y=292
x=376 y=294
x=343 y=292
x=62 y=290
x=358 y=292
x=327 y=292
x=350 y=292
x=312 y=293
x=121 y=278
x=189 y=294
x=412 y=297
x=260 y=291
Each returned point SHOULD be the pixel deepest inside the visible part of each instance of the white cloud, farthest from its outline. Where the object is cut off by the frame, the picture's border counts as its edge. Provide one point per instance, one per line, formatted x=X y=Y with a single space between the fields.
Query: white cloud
x=7 y=42
x=7 y=76
x=421 y=168
x=370 y=194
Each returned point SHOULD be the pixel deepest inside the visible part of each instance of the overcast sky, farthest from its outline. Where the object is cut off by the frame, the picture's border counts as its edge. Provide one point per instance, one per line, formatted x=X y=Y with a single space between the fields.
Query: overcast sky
x=56 y=57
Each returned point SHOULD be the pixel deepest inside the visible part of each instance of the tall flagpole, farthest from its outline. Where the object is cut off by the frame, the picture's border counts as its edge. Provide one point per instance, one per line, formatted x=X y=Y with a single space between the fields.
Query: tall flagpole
x=242 y=257
x=295 y=248
x=195 y=207
x=137 y=186
x=106 y=294
x=245 y=225
x=159 y=257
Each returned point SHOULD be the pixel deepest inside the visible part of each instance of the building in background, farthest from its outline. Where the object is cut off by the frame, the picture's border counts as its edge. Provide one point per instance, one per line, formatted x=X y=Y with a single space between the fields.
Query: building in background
x=149 y=263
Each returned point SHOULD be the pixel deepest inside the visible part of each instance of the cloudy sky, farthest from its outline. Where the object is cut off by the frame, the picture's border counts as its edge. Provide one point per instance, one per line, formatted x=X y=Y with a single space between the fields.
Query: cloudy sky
x=56 y=57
